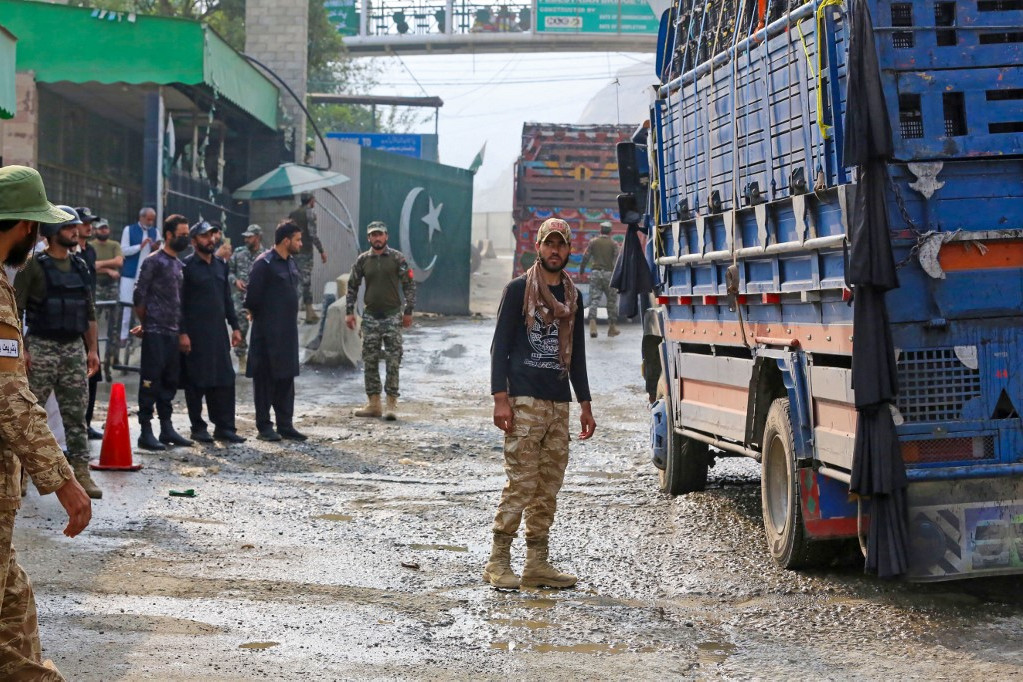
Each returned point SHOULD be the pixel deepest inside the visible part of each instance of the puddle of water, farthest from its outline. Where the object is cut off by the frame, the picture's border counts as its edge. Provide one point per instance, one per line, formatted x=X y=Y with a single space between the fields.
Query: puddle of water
x=537 y=603
x=257 y=645
x=189 y=519
x=443 y=548
x=713 y=653
x=522 y=623
x=605 y=474
x=334 y=517
x=590 y=648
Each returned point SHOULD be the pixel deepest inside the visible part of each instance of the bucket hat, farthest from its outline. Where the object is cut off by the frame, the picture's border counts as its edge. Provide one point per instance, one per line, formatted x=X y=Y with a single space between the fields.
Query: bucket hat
x=23 y=197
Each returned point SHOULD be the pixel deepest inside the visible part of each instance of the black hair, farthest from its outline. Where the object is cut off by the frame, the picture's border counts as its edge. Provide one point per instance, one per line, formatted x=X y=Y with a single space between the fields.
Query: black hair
x=170 y=224
x=8 y=224
x=285 y=229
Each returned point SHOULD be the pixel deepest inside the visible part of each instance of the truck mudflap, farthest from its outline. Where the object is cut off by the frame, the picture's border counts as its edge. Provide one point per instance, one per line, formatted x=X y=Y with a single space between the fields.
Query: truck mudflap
x=659 y=433
x=953 y=535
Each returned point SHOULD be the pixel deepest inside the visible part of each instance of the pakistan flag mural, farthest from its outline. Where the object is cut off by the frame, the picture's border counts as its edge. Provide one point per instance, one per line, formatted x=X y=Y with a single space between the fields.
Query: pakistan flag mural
x=428 y=211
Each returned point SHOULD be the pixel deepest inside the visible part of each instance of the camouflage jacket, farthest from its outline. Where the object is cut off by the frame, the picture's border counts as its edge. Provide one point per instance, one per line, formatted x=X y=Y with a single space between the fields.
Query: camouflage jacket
x=25 y=439
x=240 y=264
x=386 y=274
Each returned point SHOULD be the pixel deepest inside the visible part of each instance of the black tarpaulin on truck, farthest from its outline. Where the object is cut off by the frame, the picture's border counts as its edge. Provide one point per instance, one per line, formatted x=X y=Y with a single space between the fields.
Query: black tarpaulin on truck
x=631 y=275
x=878 y=471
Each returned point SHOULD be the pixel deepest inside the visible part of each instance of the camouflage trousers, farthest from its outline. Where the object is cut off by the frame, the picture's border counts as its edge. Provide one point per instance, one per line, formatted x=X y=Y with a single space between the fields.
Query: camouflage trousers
x=381 y=340
x=600 y=283
x=20 y=651
x=535 y=457
x=243 y=321
x=60 y=368
x=304 y=263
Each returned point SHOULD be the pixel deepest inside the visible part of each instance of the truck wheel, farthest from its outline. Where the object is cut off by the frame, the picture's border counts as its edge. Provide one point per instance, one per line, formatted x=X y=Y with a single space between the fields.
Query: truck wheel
x=779 y=492
x=686 y=463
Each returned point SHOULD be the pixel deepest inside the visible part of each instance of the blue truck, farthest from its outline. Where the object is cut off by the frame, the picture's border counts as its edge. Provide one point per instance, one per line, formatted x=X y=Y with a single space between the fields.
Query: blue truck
x=747 y=198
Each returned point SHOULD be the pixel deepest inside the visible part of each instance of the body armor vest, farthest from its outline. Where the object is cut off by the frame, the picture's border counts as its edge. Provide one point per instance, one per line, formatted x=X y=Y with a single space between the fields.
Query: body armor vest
x=64 y=313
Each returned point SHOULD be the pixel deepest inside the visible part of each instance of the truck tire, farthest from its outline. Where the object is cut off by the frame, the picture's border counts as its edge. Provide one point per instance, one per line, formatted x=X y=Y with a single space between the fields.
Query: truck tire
x=779 y=491
x=686 y=463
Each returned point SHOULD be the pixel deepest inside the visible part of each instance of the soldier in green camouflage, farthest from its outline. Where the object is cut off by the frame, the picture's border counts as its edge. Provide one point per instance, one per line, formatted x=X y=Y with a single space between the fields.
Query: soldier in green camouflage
x=602 y=252
x=109 y=260
x=305 y=218
x=238 y=277
x=388 y=279
x=25 y=440
x=55 y=292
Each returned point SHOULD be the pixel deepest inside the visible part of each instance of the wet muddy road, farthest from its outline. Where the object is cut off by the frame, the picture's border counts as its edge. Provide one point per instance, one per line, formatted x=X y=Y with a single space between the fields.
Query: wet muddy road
x=358 y=555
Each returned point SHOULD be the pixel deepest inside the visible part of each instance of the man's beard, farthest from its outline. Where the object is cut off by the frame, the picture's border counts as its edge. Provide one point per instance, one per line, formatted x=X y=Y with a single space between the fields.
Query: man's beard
x=103 y=237
x=19 y=253
x=548 y=268
x=65 y=242
x=208 y=249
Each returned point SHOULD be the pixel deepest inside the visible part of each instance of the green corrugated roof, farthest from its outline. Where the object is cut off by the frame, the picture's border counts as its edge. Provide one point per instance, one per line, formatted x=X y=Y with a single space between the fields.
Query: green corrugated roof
x=128 y=48
x=8 y=92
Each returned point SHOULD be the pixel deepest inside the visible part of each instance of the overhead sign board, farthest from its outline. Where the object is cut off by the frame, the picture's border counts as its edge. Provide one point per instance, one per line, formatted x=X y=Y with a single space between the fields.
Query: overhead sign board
x=342 y=14
x=595 y=16
x=416 y=146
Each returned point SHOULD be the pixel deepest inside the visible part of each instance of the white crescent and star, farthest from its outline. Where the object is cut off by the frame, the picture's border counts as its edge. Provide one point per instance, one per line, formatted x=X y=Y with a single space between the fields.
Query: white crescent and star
x=432 y=220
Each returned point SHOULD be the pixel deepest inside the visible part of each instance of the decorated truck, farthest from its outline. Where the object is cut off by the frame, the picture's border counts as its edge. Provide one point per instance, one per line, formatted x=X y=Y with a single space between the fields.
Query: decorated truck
x=568 y=172
x=835 y=219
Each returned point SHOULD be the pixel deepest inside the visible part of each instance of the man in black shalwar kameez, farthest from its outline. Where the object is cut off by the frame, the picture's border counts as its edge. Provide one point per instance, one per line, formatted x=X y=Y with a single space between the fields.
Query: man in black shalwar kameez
x=206 y=312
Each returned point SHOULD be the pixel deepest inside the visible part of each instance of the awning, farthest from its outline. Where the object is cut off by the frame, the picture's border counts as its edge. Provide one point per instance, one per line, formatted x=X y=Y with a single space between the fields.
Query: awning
x=287 y=180
x=8 y=92
x=127 y=48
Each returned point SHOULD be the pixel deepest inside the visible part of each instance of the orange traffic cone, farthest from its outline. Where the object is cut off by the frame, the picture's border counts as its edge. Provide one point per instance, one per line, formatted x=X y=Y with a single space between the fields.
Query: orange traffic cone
x=115 y=455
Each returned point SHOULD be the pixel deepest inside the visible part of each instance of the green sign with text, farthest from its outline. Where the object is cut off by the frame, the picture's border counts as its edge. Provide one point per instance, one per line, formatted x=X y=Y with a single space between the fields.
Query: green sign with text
x=610 y=16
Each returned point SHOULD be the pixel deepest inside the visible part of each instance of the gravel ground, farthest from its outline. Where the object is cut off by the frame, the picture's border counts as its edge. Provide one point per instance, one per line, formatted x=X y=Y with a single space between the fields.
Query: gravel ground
x=358 y=555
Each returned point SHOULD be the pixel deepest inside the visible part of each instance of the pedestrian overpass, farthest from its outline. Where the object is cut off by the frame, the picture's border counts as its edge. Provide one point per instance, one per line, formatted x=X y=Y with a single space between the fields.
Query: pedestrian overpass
x=386 y=27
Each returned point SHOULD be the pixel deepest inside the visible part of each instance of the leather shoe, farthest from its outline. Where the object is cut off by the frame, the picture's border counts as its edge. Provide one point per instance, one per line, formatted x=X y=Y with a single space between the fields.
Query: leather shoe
x=290 y=433
x=229 y=436
x=202 y=436
x=94 y=434
x=269 y=435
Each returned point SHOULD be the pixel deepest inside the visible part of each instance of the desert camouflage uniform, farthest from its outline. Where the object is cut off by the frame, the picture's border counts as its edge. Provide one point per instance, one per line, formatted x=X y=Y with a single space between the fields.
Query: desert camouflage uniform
x=381 y=340
x=25 y=441
x=61 y=368
x=238 y=269
x=535 y=458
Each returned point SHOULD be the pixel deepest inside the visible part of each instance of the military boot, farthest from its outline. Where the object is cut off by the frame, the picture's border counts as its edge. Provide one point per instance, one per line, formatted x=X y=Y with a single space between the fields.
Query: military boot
x=147 y=441
x=538 y=572
x=593 y=329
x=498 y=571
x=391 y=409
x=371 y=408
x=168 y=436
x=612 y=329
x=81 y=469
x=310 y=314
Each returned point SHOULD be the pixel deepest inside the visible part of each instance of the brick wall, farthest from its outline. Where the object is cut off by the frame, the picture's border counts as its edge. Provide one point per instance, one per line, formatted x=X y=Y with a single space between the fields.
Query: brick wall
x=19 y=136
x=277 y=34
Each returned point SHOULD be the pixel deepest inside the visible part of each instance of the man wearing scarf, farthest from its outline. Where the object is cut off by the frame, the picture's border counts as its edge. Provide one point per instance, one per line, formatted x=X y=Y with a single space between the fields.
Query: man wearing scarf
x=538 y=349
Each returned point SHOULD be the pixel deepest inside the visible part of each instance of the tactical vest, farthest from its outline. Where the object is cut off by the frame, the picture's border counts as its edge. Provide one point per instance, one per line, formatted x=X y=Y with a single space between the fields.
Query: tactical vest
x=64 y=313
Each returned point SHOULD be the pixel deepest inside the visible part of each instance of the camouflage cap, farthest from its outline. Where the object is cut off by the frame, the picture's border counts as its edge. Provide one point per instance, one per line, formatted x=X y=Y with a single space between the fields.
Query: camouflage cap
x=253 y=231
x=376 y=226
x=23 y=197
x=606 y=227
x=552 y=225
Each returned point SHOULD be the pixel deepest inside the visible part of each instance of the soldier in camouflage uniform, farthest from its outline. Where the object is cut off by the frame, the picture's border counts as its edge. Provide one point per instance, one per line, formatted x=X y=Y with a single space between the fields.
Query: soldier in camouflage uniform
x=109 y=260
x=25 y=441
x=538 y=350
x=55 y=292
x=305 y=218
x=238 y=277
x=602 y=252
x=388 y=278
